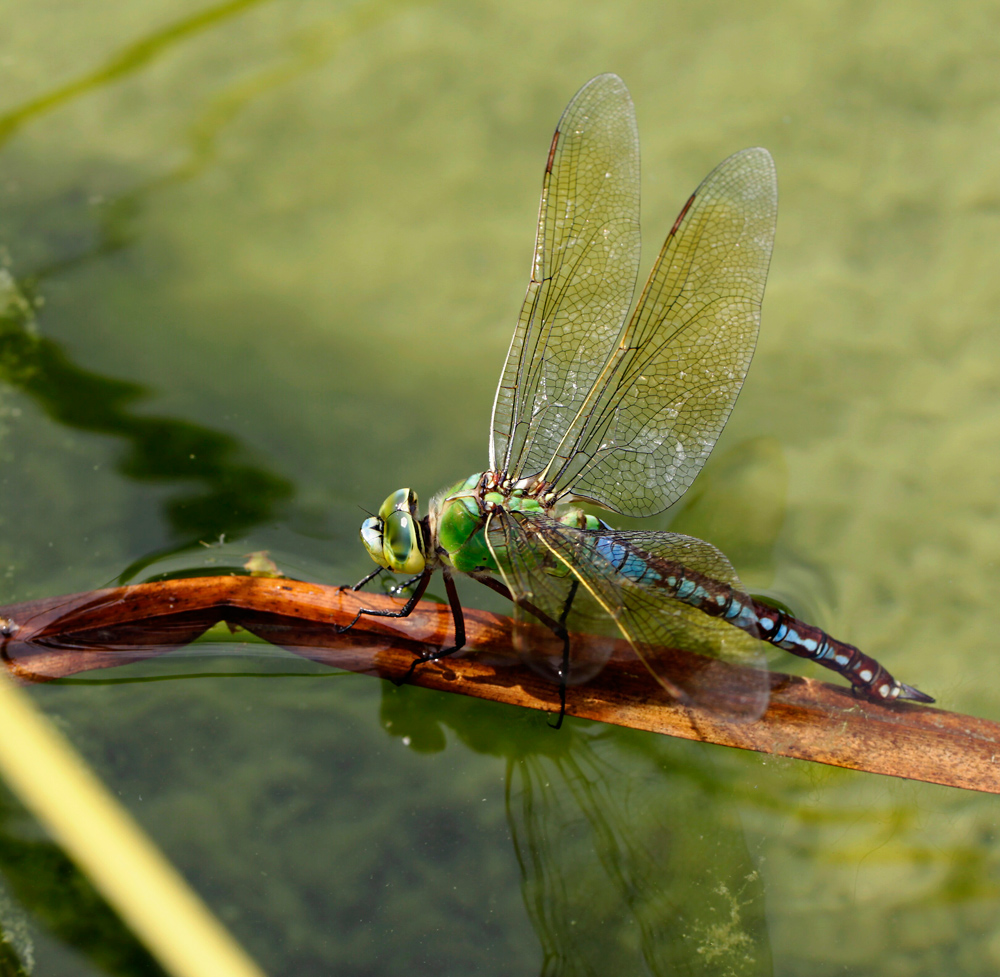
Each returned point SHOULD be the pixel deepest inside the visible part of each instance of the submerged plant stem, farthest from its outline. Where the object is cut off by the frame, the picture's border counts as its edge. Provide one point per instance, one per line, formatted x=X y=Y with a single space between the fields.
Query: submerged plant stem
x=96 y=831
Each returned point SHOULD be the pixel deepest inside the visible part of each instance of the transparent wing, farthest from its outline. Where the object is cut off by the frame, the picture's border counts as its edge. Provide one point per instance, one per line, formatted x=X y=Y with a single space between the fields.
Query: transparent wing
x=582 y=278
x=653 y=415
x=541 y=558
x=546 y=593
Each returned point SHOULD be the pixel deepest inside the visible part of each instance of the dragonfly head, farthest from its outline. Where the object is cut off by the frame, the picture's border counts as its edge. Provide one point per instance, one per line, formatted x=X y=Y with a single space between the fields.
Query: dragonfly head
x=393 y=538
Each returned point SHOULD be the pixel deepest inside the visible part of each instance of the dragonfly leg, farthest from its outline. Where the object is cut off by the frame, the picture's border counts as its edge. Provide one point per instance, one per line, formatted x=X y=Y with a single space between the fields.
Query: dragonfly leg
x=558 y=628
x=404 y=611
x=564 y=668
x=363 y=580
x=399 y=588
x=549 y=622
x=458 y=616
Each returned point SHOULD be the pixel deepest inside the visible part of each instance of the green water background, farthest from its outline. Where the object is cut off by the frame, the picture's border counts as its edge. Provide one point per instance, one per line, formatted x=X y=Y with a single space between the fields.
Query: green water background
x=261 y=265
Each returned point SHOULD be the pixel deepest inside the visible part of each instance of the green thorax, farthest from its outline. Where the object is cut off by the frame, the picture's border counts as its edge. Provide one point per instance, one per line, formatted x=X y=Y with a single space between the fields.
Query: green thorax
x=458 y=521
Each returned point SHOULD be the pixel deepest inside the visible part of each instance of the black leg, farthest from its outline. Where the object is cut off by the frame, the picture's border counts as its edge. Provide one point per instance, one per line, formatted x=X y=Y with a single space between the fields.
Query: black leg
x=549 y=622
x=558 y=628
x=404 y=611
x=458 y=617
x=396 y=589
x=564 y=670
x=457 y=614
x=497 y=586
x=364 y=580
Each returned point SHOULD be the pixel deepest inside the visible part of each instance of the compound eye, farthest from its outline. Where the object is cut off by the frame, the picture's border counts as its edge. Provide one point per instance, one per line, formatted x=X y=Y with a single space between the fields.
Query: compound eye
x=402 y=500
x=372 y=537
x=402 y=546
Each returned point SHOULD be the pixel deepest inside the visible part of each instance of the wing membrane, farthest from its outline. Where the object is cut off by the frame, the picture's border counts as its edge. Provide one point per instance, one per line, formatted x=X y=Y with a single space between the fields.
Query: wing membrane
x=582 y=280
x=655 y=412
x=540 y=554
x=541 y=582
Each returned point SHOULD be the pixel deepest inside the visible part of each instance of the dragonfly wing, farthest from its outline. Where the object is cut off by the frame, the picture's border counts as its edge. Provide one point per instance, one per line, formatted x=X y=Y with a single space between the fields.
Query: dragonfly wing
x=546 y=595
x=544 y=557
x=583 y=277
x=655 y=413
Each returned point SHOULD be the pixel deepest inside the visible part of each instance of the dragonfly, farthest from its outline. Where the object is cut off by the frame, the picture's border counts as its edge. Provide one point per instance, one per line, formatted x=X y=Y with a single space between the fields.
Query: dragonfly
x=619 y=411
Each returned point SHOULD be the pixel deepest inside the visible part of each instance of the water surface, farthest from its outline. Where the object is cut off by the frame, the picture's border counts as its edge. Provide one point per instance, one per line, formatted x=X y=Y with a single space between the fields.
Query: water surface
x=262 y=262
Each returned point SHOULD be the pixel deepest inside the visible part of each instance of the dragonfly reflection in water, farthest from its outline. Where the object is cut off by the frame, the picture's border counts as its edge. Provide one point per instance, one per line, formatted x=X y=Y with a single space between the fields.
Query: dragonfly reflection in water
x=620 y=412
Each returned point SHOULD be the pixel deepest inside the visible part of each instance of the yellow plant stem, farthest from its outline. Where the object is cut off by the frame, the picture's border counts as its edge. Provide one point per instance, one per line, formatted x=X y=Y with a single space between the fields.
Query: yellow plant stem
x=55 y=783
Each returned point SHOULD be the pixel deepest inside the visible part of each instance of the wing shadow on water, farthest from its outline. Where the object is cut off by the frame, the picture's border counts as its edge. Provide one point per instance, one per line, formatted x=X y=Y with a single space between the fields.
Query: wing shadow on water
x=632 y=856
